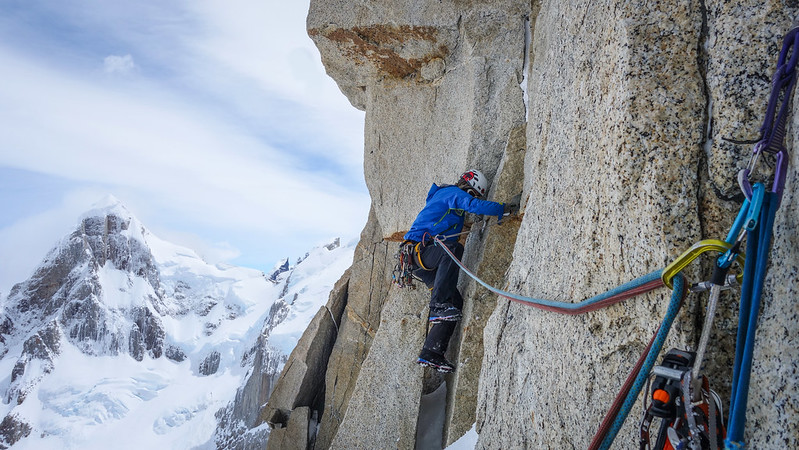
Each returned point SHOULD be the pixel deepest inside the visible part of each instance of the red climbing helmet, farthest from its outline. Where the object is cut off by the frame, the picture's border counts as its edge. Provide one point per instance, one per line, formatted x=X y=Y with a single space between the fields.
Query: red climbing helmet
x=477 y=181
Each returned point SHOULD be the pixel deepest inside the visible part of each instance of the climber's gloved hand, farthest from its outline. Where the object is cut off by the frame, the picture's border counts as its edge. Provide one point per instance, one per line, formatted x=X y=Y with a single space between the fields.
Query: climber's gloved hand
x=512 y=206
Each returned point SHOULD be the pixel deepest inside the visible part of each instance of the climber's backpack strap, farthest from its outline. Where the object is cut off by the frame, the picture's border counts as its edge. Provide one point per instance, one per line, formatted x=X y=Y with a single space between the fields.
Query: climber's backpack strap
x=689 y=416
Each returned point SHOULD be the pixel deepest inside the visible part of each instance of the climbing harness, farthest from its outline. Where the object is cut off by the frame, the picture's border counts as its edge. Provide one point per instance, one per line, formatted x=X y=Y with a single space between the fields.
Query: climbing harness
x=409 y=257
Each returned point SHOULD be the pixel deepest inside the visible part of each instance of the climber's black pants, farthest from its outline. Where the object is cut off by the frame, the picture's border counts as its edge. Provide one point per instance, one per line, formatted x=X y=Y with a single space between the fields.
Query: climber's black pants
x=442 y=280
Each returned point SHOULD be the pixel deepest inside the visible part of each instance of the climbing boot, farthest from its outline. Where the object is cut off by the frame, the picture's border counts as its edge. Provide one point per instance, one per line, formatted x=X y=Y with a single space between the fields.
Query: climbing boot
x=437 y=361
x=444 y=312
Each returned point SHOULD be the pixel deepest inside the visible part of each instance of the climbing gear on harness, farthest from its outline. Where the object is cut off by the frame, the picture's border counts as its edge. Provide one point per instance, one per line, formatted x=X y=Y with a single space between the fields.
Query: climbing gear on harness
x=478 y=182
x=685 y=420
x=402 y=274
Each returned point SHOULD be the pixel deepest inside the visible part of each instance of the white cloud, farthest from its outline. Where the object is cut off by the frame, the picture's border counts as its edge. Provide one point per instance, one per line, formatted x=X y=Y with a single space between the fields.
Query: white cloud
x=123 y=65
x=189 y=158
x=233 y=127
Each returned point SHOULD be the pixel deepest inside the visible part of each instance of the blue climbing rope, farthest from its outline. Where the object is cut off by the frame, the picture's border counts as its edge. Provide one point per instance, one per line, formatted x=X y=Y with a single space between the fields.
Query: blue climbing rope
x=634 y=287
x=671 y=313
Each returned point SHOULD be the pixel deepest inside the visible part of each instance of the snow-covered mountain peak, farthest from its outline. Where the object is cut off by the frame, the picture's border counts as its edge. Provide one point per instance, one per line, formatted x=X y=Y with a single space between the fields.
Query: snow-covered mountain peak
x=119 y=332
x=108 y=205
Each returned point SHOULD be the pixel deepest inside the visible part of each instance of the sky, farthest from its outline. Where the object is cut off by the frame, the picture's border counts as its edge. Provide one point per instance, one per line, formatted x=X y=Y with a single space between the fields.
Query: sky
x=213 y=122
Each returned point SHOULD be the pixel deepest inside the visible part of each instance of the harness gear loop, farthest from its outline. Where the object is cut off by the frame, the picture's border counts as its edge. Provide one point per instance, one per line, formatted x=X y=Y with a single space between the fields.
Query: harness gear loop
x=418 y=249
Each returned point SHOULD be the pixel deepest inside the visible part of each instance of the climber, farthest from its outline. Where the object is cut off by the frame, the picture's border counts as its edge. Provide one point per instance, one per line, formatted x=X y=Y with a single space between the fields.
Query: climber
x=443 y=215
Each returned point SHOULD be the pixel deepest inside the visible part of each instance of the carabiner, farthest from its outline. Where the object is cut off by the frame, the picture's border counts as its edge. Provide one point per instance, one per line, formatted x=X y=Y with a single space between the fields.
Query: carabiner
x=745 y=174
x=692 y=253
x=780 y=171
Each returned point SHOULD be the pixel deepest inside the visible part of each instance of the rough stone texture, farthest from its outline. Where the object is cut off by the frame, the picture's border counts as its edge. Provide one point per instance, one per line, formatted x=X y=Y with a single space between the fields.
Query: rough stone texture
x=624 y=168
x=742 y=45
x=210 y=364
x=302 y=380
x=413 y=68
x=490 y=257
x=294 y=435
x=477 y=96
x=385 y=400
x=607 y=201
x=40 y=351
x=366 y=292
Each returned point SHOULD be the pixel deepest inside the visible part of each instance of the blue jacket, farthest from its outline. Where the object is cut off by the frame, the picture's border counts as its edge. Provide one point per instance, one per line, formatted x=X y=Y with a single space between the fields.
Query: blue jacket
x=444 y=212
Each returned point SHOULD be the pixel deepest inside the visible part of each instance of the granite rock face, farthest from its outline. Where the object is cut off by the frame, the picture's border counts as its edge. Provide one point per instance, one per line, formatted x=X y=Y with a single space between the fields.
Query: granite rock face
x=608 y=116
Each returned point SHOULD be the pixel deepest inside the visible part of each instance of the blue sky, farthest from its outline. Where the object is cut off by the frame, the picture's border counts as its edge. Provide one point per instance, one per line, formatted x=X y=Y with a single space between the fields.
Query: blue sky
x=213 y=122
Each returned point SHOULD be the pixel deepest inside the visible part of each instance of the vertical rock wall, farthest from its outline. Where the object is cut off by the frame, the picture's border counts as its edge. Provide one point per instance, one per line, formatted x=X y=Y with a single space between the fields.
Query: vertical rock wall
x=620 y=159
x=614 y=136
x=440 y=84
